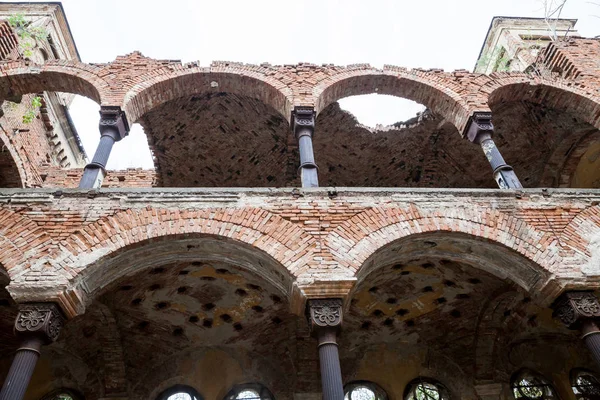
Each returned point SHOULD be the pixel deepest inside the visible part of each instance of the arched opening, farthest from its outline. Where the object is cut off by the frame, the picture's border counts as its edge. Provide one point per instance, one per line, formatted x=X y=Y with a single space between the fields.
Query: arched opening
x=423 y=388
x=424 y=149
x=364 y=390
x=37 y=131
x=249 y=391
x=220 y=139
x=180 y=392
x=585 y=384
x=130 y=153
x=198 y=310
x=63 y=394
x=418 y=309
x=547 y=135
x=529 y=385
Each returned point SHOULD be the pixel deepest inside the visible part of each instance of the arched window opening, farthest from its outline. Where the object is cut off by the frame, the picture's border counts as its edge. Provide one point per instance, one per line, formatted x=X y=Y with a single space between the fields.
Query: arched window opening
x=363 y=390
x=180 y=392
x=380 y=111
x=585 y=385
x=131 y=152
x=249 y=391
x=426 y=389
x=63 y=394
x=528 y=385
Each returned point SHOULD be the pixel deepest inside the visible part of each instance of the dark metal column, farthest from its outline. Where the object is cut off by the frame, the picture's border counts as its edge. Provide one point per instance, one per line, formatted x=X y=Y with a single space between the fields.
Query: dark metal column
x=325 y=319
x=113 y=127
x=36 y=324
x=303 y=124
x=581 y=310
x=479 y=131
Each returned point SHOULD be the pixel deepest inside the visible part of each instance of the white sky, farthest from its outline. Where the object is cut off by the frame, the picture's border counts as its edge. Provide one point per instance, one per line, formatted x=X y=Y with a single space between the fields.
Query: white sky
x=425 y=33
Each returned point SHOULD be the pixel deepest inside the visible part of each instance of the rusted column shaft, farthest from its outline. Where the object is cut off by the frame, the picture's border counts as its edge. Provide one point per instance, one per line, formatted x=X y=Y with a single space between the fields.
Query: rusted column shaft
x=329 y=359
x=303 y=124
x=36 y=324
x=113 y=127
x=591 y=337
x=21 y=370
x=325 y=319
x=480 y=131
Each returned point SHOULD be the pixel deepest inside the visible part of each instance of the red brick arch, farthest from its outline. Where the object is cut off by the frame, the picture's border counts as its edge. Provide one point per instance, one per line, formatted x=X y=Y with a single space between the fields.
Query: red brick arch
x=437 y=90
x=18 y=78
x=560 y=94
x=357 y=239
x=90 y=250
x=21 y=241
x=169 y=84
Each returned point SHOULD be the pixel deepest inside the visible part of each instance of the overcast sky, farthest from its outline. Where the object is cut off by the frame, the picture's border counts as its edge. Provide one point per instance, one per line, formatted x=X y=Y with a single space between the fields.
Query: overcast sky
x=444 y=34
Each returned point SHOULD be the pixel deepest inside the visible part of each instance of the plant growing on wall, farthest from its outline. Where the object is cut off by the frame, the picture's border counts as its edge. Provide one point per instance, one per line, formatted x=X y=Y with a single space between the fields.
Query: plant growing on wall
x=27 y=33
x=28 y=37
x=29 y=116
x=499 y=56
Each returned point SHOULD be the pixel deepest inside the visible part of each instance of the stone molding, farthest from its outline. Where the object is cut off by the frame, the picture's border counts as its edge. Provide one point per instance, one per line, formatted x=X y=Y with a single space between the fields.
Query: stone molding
x=303 y=121
x=113 y=119
x=574 y=307
x=42 y=320
x=325 y=313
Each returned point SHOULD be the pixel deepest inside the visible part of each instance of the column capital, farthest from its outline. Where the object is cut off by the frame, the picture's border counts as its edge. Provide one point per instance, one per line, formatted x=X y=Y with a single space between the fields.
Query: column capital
x=324 y=314
x=113 y=120
x=40 y=320
x=572 y=308
x=480 y=123
x=303 y=121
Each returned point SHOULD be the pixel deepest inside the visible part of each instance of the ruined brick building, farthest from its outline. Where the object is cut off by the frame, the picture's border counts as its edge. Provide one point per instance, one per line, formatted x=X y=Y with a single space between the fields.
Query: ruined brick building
x=404 y=267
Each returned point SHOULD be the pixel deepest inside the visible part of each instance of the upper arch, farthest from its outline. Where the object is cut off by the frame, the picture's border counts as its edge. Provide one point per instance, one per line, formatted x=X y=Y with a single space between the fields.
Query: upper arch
x=433 y=89
x=19 y=78
x=560 y=94
x=154 y=89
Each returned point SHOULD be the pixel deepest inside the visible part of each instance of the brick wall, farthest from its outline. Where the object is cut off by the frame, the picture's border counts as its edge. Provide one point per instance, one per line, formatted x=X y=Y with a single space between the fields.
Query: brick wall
x=322 y=238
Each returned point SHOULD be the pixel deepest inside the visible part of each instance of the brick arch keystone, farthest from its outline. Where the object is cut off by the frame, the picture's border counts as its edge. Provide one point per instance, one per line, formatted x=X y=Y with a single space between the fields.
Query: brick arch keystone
x=560 y=94
x=20 y=77
x=437 y=90
x=356 y=240
x=84 y=253
x=156 y=88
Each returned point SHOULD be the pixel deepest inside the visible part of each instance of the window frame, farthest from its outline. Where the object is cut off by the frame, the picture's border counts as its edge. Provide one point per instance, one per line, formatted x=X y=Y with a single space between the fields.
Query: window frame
x=575 y=374
x=444 y=393
x=545 y=383
x=380 y=394
x=75 y=395
x=263 y=392
x=193 y=393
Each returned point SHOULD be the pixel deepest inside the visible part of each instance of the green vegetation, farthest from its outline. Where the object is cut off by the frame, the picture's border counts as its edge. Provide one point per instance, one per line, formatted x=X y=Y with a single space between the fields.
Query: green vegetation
x=27 y=34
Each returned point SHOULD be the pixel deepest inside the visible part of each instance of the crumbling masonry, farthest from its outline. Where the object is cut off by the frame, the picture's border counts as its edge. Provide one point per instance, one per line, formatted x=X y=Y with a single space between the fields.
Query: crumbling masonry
x=280 y=247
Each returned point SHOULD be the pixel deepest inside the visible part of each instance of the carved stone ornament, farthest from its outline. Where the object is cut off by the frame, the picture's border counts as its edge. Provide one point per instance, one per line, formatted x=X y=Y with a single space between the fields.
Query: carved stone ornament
x=325 y=313
x=572 y=307
x=480 y=122
x=113 y=119
x=42 y=319
x=303 y=120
